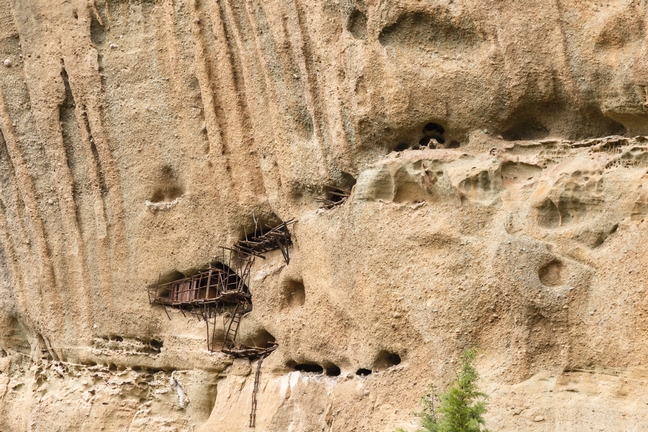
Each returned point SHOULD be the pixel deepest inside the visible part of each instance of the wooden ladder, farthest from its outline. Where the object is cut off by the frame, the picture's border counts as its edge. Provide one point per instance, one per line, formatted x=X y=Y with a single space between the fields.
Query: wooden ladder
x=232 y=328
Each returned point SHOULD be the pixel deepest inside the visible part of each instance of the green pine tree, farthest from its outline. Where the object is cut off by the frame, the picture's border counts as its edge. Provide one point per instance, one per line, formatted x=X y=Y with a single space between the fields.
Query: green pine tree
x=461 y=406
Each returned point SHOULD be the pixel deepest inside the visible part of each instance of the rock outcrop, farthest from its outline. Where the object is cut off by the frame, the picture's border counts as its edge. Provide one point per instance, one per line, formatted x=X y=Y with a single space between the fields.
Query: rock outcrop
x=498 y=175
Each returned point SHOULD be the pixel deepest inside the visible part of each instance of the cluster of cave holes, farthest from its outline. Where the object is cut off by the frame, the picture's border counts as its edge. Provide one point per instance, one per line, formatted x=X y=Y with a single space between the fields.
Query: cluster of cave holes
x=383 y=361
x=153 y=346
x=432 y=137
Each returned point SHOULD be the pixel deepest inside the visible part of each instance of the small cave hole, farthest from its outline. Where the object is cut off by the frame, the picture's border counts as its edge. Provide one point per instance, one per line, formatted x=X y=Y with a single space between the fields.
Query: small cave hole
x=261 y=338
x=386 y=359
x=309 y=367
x=263 y=224
x=363 y=372
x=453 y=144
x=112 y=367
x=332 y=370
x=434 y=127
x=401 y=147
x=294 y=294
x=432 y=131
x=551 y=274
x=156 y=344
x=118 y=339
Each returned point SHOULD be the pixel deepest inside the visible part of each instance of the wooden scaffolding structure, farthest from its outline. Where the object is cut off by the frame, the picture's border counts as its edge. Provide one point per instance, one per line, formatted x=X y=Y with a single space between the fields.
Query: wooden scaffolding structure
x=223 y=289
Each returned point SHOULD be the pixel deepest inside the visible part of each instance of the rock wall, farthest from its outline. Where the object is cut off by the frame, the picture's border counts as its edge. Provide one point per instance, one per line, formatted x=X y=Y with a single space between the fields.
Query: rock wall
x=499 y=178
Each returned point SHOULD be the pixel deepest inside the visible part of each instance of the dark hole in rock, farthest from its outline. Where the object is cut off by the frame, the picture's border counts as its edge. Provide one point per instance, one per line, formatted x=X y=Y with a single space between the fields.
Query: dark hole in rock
x=551 y=274
x=432 y=131
x=3 y=353
x=112 y=367
x=156 y=344
x=119 y=339
x=332 y=370
x=386 y=359
x=137 y=368
x=294 y=294
x=434 y=127
x=263 y=224
x=401 y=147
x=363 y=372
x=260 y=338
x=453 y=144
x=309 y=367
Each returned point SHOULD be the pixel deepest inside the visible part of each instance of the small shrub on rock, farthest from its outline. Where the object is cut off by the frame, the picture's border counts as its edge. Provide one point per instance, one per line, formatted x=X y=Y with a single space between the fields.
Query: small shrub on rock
x=461 y=406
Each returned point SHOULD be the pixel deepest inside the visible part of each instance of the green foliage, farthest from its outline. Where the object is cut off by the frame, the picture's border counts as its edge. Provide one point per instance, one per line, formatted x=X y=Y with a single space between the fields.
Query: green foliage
x=461 y=406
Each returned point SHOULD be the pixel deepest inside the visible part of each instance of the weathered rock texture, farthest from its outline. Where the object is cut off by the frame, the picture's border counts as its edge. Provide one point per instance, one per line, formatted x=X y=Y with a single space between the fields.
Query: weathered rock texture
x=500 y=201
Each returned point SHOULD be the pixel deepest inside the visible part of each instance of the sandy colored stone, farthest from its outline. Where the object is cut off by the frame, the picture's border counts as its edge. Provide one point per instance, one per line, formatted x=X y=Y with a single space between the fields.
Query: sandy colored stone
x=497 y=163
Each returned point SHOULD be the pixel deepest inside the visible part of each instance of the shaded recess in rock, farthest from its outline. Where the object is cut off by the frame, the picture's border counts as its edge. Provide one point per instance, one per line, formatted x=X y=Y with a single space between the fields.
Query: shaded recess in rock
x=518 y=171
x=260 y=338
x=548 y=214
x=97 y=33
x=357 y=24
x=385 y=360
x=363 y=372
x=264 y=223
x=167 y=186
x=128 y=344
x=438 y=30
x=551 y=274
x=293 y=294
x=431 y=136
x=305 y=367
x=538 y=120
x=15 y=338
x=526 y=130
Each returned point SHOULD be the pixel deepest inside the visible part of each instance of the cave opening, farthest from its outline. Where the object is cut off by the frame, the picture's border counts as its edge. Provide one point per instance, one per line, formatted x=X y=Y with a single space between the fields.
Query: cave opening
x=332 y=370
x=386 y=359
x=309 y=367
x=363 y=372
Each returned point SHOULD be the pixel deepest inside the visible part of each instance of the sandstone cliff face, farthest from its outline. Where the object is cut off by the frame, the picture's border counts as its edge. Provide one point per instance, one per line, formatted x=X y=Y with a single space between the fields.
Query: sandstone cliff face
x=500 y=196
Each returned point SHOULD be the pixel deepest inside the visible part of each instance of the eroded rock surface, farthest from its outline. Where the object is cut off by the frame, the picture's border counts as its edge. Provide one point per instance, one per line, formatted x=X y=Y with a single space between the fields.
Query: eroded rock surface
x=499 y=194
